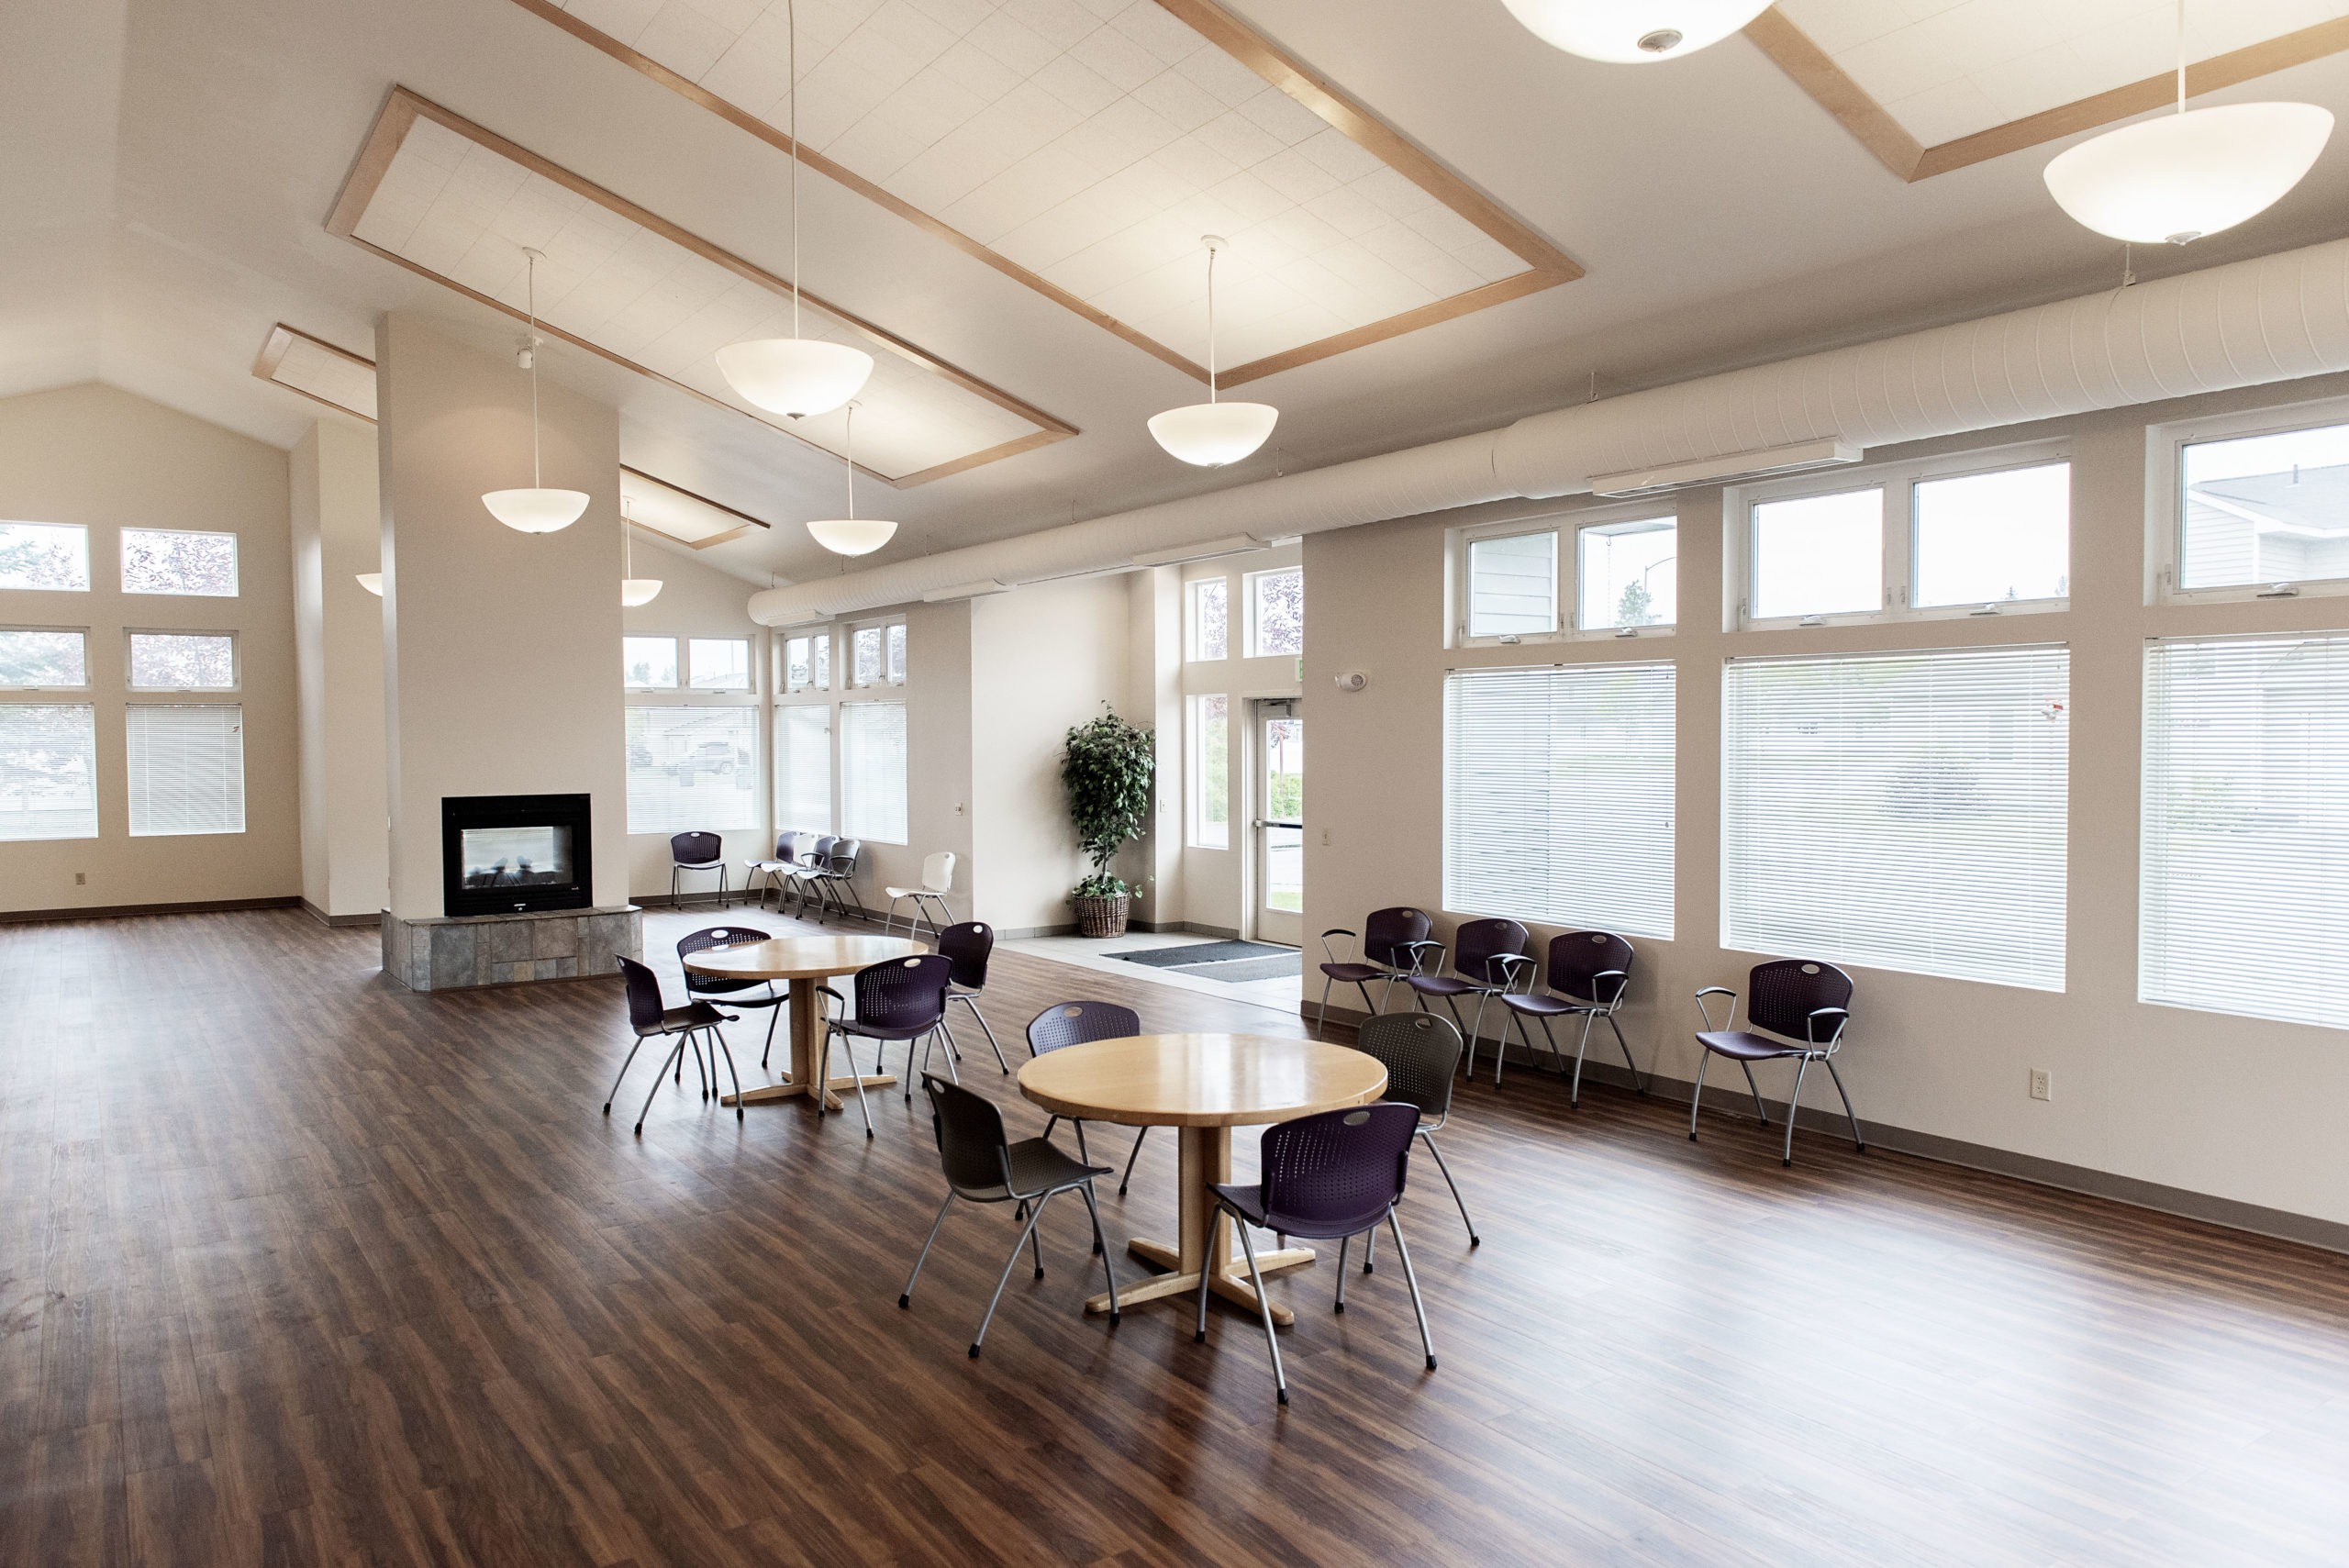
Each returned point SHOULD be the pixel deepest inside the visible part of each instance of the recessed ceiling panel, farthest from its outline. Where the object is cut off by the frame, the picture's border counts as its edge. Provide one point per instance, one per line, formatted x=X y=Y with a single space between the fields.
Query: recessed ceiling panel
x=318 y=370
x=458 y=204
x=1084 y=146
x=679 y=514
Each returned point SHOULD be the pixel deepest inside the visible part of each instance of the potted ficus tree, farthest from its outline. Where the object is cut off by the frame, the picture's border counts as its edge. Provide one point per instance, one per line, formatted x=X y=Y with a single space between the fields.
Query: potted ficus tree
x=1107 y=768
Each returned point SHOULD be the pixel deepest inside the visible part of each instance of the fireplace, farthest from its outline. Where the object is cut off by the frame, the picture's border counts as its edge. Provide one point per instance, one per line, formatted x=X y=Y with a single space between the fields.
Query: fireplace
x=503 y=854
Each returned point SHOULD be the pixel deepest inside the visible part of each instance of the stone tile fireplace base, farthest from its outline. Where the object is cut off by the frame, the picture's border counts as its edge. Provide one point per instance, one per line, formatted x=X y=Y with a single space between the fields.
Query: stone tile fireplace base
x=445 y=953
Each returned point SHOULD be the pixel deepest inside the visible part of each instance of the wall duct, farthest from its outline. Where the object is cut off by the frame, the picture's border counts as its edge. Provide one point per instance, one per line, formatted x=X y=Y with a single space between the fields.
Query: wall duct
x=2246 y=324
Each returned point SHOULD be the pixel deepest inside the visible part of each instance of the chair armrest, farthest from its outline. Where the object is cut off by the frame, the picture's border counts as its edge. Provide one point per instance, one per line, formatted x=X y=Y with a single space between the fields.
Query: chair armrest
x=1329 y=952
x=1811 y=1025
x=1508 y=963
x=1622 y=983
x=1705 y=1013
x=1418 y=951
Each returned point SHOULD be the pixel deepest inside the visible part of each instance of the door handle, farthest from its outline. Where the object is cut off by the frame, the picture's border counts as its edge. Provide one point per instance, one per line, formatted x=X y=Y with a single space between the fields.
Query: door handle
x=1299 y=826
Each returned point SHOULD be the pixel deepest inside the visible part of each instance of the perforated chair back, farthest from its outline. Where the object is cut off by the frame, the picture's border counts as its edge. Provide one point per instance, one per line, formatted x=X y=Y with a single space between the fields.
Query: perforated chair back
x=902 y=998
x=1578 y=958
x=696 y=848
x=937 y=872
x=644 y=1007
x=971 y=1143
x=1421 y=1055
x=1076 y=1023
x=1479 y=942
x=967 y=947
x=1782 y=995
x=1337 y=1172
x=718 y=937
x=1387 y=930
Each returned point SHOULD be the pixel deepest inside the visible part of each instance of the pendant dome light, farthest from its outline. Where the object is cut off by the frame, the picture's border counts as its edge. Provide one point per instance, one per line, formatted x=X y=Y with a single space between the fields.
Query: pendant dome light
x=1633 y=32
x=1213 y=433
x=795 y=376
x=852 y=535
x=2188 y=173
x=634 y=590
x=537 y=510
x=372 y=581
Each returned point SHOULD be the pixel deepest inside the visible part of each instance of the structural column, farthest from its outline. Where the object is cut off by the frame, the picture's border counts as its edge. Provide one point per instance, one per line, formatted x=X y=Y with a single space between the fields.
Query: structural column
x=339 y=648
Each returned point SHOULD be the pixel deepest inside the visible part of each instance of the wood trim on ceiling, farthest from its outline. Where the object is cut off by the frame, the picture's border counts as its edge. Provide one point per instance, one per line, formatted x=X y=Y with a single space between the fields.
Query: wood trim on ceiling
x=749 y=522
x=404 y=107
x=273 y=354
x=1875 y=128
x=1551 y=266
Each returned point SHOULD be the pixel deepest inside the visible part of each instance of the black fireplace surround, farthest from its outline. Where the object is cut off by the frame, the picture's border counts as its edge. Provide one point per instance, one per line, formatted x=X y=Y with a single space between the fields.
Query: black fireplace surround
x=507 y=854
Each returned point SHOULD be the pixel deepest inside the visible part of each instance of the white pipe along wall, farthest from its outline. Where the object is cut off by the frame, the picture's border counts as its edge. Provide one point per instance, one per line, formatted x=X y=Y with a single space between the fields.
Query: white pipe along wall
x=2274 y=318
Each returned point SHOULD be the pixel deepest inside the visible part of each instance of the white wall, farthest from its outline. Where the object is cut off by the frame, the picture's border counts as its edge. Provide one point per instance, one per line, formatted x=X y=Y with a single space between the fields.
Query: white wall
x=338 y=638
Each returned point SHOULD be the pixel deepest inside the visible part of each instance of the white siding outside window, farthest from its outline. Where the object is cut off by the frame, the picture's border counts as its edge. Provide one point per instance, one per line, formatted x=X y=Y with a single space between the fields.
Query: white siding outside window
x=873 y=772
x=187 y=769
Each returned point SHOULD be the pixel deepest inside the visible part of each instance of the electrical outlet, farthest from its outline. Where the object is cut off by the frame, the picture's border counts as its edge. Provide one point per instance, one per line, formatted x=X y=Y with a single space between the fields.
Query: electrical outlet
x=81 y=879
x=2042 y=1085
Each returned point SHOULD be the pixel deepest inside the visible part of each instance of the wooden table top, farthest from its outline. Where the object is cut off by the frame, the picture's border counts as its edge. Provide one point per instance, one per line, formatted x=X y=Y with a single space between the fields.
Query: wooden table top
x=801 y=958
x=1200 y=1080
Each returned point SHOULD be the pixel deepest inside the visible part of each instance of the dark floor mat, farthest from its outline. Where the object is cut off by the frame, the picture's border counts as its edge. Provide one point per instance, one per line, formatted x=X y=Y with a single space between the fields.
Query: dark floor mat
x=1204 y=952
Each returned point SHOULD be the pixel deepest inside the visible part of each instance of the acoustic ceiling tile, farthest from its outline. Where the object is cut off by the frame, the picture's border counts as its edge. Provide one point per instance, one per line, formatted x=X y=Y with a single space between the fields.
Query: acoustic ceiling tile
x=1289 y=121
x=1153 y=26
x=679 y=32
x=1183 y=103
x=1069 y=81
x=1240 y=139
x=1119 y=58
x=1014 y=43
x=1346 y=210
x=1194 y=159
x=622 y=18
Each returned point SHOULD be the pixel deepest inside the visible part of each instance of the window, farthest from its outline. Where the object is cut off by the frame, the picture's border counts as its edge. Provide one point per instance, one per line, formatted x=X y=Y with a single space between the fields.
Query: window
x=807 y=662
x=187 y=769
x=45 y=555
x=720 y=663
x=896 y=666
x=159 y=561
x=1901 y=810
x=2264 y=508
x=877 y=655
x=1985 y=539
x=1629 y=573
x=1513 y=585
x=32 y=660
x=1558 y=795
x=183 y=661
x=1210 y=780
x=1210 y=617
x=803 y=768
x=1275 y=613
x=2245 y=902
x=692 y=769
x=873 y=771
x=648 y=662
x=1818 y=555
x=47 y=765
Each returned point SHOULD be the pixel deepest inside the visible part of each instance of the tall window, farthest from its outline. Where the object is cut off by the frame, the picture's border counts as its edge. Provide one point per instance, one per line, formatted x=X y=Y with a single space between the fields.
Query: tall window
x=45 y=555
x=873 y=771
x=48 y=770
x=807 y=662
x=187 y=769
x=719 y=664
x=803 y=768
x=1210 y=771
x=32 y=660
x=649 y=664
x=2265 y=508
x=183 y=661
x=1901 y=810
x=1513 y=585
x=1210 y=617
x=1275 y=613
x=2245 y=902
x=692 y=769
x=1558 y=795
x=164 y=561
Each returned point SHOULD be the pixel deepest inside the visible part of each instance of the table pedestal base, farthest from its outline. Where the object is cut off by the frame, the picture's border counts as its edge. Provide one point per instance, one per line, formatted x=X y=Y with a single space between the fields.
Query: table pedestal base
x=790 y=1087
x=1230 y=1282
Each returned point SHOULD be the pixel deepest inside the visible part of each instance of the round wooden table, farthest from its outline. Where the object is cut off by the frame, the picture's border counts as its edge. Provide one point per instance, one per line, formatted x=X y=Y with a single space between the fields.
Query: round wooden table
x=806 y=962
x=1203 y=1085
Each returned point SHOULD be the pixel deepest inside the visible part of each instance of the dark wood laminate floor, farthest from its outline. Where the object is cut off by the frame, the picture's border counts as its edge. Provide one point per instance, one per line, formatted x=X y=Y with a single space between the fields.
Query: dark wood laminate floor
x=297 y=1267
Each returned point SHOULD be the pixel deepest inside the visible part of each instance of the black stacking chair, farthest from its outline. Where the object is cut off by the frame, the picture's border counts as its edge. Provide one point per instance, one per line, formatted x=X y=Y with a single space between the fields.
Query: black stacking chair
x=696 y=852
x=684 y=1025
x=1080 y=1023
x=983 y=1166
x=896 y=999
x=1488 y=957
x=1420 y=1052
x=738 y=993
x=1590 y=971
x=1393 y=945
x=969 y=946
x=1797 y=999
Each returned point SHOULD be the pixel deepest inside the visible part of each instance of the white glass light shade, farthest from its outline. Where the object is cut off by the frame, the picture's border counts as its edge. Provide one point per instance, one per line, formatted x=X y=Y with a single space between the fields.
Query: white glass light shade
x=1633 y=32
x=536 y=511
x=795 y=376
x=852 y=535
x=635 y=591
x=1213 y=434
x=372 y=582
x=2178 y=177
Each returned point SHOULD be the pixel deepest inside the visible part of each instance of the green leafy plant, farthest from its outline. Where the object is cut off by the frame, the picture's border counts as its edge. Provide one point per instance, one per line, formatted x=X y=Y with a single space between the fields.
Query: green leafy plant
x=1107 y=768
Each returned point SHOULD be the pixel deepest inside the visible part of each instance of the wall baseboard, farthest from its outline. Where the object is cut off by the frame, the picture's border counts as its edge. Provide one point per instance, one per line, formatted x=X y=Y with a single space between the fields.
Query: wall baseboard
x=121 y=911
x=2281 y=1224
x=323 y=919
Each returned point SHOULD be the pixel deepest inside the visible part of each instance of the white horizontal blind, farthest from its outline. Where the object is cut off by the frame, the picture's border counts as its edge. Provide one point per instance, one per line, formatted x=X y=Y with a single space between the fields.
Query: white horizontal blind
x=1558 y=795
x=187 y=768
x=692 y=769
x=873 y=771
x=2245 y=903
x=1901 y=810
x=803 y=768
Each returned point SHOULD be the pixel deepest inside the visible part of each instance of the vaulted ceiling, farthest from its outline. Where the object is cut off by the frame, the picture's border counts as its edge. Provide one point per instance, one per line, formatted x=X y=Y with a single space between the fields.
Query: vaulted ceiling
x=1438 y=223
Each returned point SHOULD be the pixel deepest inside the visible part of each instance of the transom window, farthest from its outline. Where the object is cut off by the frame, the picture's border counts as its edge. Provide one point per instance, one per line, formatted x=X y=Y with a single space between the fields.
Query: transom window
x=2256 y=508
x=807 y=662
x=182 y=661
x=45 y=555
x=168 y=561
x=649 y=664
x=1210 y=634
x=1614 y=572
x=1275 y=613
x=34 y=660
x=719 y=664
x=877 y=655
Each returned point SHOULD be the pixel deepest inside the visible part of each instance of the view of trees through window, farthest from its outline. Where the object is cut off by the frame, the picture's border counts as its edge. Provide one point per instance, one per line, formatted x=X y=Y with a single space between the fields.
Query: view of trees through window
x=48 y=763
x=1278 y=619
x=156 y=560
x=44 y=555
x=1210 y=618
x=183 y=661
x=43 y=658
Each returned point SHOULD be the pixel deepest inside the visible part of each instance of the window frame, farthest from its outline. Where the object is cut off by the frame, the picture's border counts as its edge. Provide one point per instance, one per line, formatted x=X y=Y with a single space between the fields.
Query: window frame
x=89 y=581
x=1566 y=561
x=81 y=631
x=784 y=685
x=1898 y=481
x=89 y=710
x=130 y=712
x=2165 y=500
x=841 y=725
x=749 y=667
x=677 y=658
x=849 y=683
x=122 y=562
x=1248 y=581
x=760 y=749
x=236 y=660
x=1194 y=591
x=1195 y=772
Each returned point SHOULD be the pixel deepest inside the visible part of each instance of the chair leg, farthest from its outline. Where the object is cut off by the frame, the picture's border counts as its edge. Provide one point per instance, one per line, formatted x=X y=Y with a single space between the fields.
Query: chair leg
x=1199 y=1335
x=889 y=920
x=972 y=1002
x=1128 y=1176
x=1080 y=1141
x=773 y=1013
x=821 y=1087
x=1637 y=1087
x=1033 y=1215
x=906 y=1296
x=1500 y=1046
x=1419 y=1308
x=1264 y=1305
x=1697 y=1096
x=1101 y=1250
x=1759 y=1109
x=1850 y=1115
x=734 y=1077
x=1581 y=1050
x=1036 y=1240
x=1343 y=1242
x=1321 y=1019
x=1801 y=1067
x=1453 y=1002
x=622 y=1074
x=1474 y=1240
x=673 y=1051
x=1369 y=1248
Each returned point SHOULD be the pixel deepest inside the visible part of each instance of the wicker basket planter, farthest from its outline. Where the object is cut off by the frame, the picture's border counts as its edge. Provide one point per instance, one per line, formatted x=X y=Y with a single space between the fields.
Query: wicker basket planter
x=1102 y=916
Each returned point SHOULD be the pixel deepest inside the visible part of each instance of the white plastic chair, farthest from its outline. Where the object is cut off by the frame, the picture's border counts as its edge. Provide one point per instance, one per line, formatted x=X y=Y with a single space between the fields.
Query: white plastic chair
x=937 y=881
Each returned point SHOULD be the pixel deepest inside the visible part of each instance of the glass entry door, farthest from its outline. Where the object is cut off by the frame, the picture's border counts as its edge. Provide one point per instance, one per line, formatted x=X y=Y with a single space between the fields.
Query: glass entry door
x=1280 y=822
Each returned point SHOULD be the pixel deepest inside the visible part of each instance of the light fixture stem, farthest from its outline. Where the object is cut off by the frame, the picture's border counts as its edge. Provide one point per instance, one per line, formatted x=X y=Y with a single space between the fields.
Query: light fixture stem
x=1211 y=323
x=2181 y=56
x=850 y=444
x=531 y=258
x=791 y=24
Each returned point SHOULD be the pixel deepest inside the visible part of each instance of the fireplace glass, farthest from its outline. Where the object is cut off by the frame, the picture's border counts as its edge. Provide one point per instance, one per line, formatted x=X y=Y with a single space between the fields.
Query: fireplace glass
x=516 y=857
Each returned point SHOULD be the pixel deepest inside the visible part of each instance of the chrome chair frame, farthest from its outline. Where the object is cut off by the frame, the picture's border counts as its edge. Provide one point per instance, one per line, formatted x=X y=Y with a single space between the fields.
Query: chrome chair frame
x=1813 y=1049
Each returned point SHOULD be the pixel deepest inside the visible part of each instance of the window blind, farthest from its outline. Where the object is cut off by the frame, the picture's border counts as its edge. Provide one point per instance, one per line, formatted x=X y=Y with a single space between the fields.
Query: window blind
x=1901 y=810
x=187 y=768
x=692 y=769
x=48 y=770
x=1558 y=795
x=2245 y=902
x=873 y=771
x=803 y=768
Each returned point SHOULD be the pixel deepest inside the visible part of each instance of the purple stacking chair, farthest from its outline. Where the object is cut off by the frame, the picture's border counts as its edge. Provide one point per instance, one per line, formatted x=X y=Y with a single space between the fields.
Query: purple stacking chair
x=1489 y=957
x=738 y=993
x=684 y=1025
x=983 y=1166
x=696 y=852
x=969 y=946
x=1589 y=971
x=1798 y=1000
x=896 y=999
x=1331 y=1177
x=1393 y=944
x=1080 y=1023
